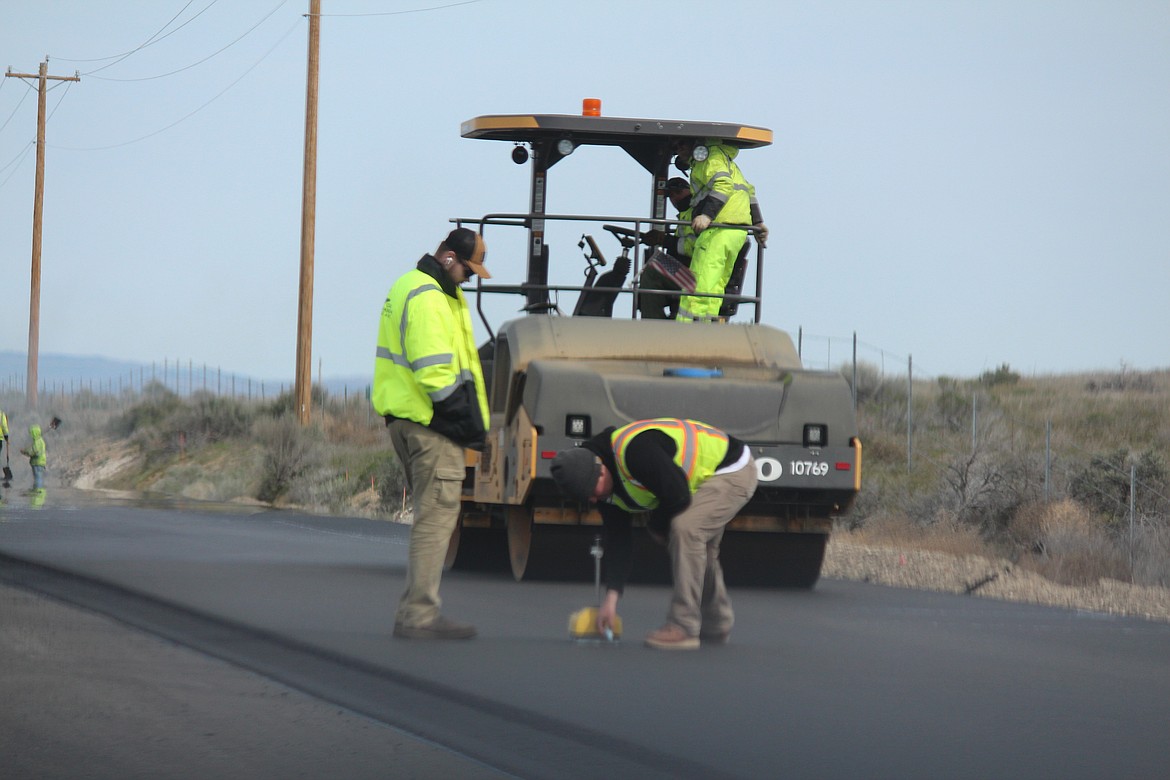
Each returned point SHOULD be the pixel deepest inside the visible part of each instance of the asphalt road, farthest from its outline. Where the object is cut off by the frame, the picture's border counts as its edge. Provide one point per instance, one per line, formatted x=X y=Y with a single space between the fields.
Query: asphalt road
x=848 y=680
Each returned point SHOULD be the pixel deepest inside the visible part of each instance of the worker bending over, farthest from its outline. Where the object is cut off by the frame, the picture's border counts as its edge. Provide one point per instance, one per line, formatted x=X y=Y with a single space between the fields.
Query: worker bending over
x=690 y=479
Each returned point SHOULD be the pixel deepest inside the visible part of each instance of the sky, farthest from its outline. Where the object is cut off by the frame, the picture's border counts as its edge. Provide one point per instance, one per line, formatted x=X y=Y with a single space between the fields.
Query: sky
x=966 y=184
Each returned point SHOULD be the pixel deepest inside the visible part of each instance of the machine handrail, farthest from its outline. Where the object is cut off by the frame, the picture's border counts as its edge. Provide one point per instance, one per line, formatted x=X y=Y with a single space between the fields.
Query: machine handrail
x=526 y=220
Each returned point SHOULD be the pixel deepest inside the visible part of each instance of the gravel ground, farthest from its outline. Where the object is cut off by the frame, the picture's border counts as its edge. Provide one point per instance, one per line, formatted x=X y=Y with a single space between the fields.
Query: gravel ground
x=993 y=579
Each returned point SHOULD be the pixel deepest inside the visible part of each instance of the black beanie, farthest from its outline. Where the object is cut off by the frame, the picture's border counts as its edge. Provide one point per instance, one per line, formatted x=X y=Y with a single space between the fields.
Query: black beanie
x=576 y=472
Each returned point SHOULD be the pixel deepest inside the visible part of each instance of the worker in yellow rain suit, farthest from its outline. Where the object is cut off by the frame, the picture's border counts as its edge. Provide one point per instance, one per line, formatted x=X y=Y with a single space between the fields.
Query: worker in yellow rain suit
x=37 y=459
x=720 y=195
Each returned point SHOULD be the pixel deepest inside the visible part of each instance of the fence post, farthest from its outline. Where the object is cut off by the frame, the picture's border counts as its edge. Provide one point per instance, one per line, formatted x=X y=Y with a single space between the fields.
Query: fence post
x=910 y=413
x=1132 y=506
x=974 y=421
x=855 y=372
x=1047 y=460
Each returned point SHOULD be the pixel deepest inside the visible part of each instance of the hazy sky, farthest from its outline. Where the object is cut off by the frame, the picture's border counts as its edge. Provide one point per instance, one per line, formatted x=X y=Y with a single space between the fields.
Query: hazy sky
x=971 y=183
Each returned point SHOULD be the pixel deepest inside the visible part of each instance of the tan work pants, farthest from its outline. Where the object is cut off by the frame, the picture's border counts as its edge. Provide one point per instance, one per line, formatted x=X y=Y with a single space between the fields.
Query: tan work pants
x=700 y=600
x=434 y=469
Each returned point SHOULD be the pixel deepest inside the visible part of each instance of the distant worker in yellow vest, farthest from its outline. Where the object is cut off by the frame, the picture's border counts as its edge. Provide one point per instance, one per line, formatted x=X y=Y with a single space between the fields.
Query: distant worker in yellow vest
x=691 y=479
x=37 y=457
x=429 y=387
x=8 y=452
x=719 y=195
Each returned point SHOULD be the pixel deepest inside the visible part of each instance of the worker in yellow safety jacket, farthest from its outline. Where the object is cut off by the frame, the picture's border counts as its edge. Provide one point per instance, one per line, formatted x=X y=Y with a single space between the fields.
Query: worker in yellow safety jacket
x=720 y=194
x=37 y=457
x=429 y=387
x=689 y=479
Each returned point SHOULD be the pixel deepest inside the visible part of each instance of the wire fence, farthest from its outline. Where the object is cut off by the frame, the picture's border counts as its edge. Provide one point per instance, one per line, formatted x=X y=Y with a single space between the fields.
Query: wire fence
x=184 y=378
x=883 y=381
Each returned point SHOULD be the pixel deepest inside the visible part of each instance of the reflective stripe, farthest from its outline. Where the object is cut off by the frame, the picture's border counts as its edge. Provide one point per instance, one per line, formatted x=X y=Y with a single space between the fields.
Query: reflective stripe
x=426 y=352
x=688 y=456
x=686 y=315
x=423 y=362
x=439 y=395
x=402 y=318
x=400 y=360
x=689 y=451
x=432 y=360
x=721 y=158
x=708 y=190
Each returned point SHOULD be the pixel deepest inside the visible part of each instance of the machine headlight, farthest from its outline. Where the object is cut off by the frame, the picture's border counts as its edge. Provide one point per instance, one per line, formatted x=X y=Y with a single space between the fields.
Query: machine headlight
x=816 y=434
x=579 y=426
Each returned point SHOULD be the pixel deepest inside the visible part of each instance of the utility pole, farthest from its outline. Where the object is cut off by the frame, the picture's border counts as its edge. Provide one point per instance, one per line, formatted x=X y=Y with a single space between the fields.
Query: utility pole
x=34 y=305
x=304 y=377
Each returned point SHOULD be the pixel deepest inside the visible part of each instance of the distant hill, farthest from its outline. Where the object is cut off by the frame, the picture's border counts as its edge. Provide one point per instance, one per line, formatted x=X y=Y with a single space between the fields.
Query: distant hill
x=102 y=374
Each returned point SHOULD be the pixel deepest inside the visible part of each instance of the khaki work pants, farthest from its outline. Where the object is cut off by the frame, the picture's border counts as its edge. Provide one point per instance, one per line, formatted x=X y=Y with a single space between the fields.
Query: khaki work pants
x=434 y=469
x=700 y=601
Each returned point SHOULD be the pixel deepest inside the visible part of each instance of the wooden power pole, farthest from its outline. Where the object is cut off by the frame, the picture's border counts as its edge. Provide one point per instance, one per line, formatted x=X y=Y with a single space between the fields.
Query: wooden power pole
x=34 y=305
x=304 y=377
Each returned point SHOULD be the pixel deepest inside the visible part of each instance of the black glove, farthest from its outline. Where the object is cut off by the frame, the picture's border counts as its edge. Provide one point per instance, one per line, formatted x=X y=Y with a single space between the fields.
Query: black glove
x=457 y=417
x=654 y=237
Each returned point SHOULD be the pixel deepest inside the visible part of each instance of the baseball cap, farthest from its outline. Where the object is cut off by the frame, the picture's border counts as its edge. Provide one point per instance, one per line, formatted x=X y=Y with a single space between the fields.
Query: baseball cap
x=469 y=247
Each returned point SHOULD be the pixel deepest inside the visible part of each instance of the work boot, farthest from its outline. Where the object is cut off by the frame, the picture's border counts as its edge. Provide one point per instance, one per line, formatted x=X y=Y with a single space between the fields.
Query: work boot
x=714 y=637
x=439 y=628
x=671 y=637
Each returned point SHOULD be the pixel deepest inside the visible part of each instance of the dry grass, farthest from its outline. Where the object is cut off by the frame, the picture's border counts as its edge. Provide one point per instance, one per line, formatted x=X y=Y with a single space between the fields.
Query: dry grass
x=946 y=535
x=1068 y=544
x=976 y=474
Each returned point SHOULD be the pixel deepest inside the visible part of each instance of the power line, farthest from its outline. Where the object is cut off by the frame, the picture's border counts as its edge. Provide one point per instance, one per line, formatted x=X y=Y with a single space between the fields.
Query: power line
x=18 y=105
x=19 y=158
x=408 y=11
x=16 y=161
x=60 y=100
x=149 y=41
x=221 y=93
x=246 y=33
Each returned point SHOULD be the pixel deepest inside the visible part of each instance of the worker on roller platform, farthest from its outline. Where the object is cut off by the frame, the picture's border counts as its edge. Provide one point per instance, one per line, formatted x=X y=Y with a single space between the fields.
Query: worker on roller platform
x=719 y=195
x=691 y=479
x=429 y=387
